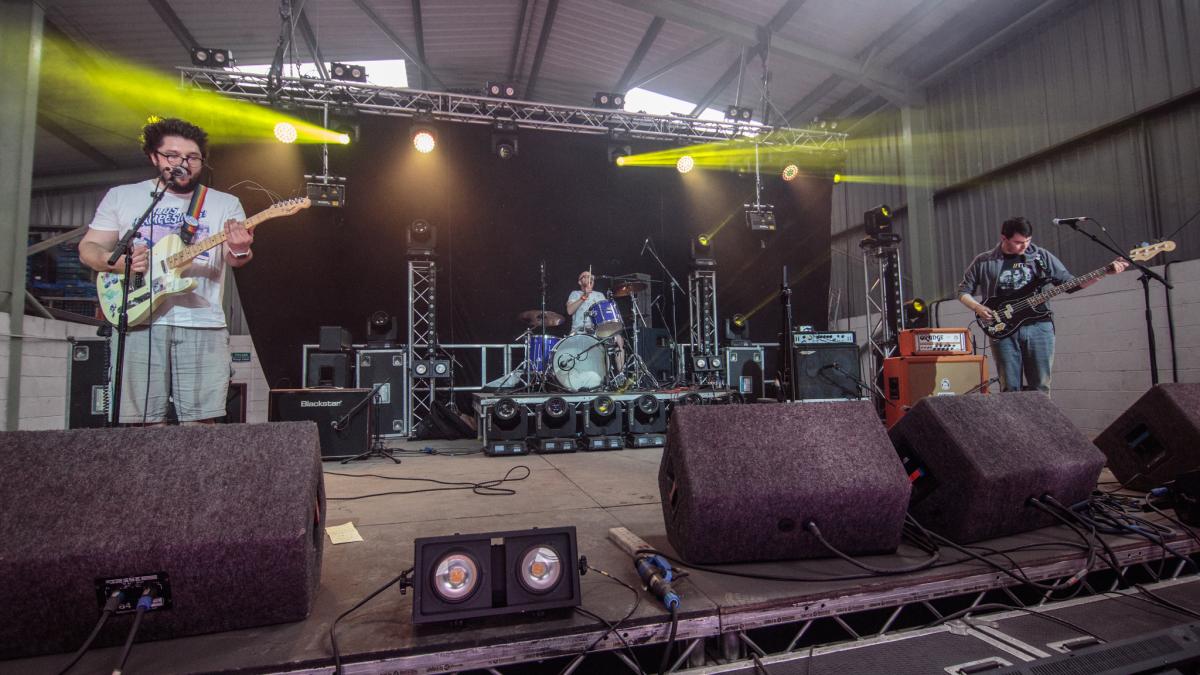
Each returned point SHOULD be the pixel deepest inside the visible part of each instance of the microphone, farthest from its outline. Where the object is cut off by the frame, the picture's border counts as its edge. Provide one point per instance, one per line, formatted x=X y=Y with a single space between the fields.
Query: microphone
x=1069 y=221
x=644 y=245
x=175 y=173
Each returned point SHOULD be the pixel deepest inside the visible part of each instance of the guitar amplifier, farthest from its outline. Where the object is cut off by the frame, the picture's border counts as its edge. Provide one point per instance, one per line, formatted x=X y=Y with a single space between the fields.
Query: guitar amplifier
x=326 y=406
x=908 y=379
x=935 y=341
x=826 y=370
x=387 y=369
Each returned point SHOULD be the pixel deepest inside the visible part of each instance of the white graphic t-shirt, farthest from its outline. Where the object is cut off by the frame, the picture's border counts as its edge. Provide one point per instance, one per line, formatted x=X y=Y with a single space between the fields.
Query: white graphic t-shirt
x=124 y=204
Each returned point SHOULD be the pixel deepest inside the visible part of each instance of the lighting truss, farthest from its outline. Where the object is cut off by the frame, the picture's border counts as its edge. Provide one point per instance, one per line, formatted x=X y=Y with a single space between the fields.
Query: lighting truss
x=422 y=338
x=380 y=100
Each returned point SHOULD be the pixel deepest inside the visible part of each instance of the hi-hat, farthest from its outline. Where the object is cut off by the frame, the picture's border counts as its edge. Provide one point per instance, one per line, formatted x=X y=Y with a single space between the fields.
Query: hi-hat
x=534 y=318
x=627 y=288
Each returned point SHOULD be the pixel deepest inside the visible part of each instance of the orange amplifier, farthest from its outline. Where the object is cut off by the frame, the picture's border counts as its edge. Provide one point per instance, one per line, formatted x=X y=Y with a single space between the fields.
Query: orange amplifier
x=935 y=341
x=908 y=379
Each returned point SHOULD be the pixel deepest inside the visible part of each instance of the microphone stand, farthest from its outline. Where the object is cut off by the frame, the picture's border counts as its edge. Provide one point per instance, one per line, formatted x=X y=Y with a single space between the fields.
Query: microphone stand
x=1147 y=275
x=674 y=287
x=787 y=390
x=123 y=247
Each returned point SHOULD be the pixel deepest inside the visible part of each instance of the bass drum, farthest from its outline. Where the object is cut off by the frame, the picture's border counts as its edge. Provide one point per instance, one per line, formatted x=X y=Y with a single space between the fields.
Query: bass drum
x=579 y=363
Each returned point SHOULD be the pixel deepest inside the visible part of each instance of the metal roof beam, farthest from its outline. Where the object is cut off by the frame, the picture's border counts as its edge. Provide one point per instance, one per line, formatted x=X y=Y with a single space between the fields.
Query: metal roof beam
x=517 y=36
x=891 y=85
x=175 y=24
x=408 y=53
x=81 y=146
x=419 y=33
x=639 y=54
x=676 y=63
x=543 y=39
x=310 y=39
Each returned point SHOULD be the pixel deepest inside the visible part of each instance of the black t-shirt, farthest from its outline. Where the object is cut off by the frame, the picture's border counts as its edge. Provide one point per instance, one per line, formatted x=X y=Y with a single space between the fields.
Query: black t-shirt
x=1018 y=277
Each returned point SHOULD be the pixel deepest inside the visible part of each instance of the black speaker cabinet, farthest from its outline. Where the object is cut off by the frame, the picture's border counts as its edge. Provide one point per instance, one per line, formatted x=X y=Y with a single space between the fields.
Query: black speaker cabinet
x=386 y=368
x=826 y=371
x=325 y=407
x=740 y=482
x=328 y=369
x=744 y=371
x=199 y=515
x=1157 y=438
x=87 y=388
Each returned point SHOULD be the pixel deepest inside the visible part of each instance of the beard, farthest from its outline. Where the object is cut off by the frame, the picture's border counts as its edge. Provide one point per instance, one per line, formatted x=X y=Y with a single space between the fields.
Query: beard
x=180 y=185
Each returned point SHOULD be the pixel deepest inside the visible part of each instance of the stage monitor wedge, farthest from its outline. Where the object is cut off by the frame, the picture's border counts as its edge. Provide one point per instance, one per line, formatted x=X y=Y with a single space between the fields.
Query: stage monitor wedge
x=1157 y=438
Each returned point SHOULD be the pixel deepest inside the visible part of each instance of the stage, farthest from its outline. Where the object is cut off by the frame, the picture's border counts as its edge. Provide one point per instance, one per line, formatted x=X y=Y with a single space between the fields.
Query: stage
x=721 y=616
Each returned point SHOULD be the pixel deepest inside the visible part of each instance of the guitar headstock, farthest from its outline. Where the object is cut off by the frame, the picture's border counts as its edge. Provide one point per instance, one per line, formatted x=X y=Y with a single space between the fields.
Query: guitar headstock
x=288 y=207
x=1148 y=252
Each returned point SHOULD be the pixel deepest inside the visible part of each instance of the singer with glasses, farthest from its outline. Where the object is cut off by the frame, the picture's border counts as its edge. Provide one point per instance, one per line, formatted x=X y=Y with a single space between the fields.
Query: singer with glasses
x=183 y=351
x=1014 y=268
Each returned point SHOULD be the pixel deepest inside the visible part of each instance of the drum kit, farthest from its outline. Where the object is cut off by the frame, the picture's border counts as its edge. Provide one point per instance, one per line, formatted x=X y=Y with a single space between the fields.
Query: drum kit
x=586 y=360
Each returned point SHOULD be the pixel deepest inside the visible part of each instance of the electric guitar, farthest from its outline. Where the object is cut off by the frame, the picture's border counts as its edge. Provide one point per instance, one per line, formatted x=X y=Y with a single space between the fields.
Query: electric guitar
x=168 y=259
x=1008 y=312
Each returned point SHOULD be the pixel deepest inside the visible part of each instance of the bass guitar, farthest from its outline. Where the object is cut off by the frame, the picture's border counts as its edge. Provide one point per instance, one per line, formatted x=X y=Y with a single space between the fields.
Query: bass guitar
x=168 y=259
x=1009 y=312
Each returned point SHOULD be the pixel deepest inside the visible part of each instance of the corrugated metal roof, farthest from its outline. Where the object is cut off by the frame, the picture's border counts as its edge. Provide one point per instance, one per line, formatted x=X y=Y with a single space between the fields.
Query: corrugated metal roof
x=591 y=43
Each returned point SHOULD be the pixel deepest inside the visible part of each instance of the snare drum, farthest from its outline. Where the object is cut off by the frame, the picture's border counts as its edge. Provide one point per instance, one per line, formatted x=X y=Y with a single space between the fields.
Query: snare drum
x=540 y=349
x=606 y=318
x=579 y=363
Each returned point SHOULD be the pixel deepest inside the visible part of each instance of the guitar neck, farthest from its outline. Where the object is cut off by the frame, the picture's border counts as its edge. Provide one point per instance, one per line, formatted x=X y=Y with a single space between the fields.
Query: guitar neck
x=189 y=253
x=1039 y=298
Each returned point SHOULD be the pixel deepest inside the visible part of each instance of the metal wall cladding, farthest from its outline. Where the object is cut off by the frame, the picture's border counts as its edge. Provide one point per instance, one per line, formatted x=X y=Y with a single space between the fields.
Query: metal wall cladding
x=66 y=209
x=1096 y=64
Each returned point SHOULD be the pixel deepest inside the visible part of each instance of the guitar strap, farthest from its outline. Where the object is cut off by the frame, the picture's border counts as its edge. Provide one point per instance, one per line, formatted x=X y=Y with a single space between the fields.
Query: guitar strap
x=191 y=219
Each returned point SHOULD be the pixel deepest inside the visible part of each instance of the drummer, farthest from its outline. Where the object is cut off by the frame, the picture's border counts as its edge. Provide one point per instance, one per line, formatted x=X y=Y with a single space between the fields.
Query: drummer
x=578 y=304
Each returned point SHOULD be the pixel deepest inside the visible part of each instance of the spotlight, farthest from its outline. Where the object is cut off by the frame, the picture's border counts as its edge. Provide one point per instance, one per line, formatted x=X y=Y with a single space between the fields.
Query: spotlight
x=685 y=164
x=602 y=424
x=505 y=428
x=618 y=153
x=500 y=90
x=424 y=139
x=702 y=252
x=790 y=172
x=690 y=398
x=705 y=363
x=431 y=368
x=878 y=221
x=555 y=426
x=646 y=421
x=285 y=132
x=465 y=576
x=760 y=217
x=609 y=100
x=837 y=178
x=381 y=329
x=737 y=330
x=347 y=71
x=916 y=314
x=421 y=238
x=504 y=139
x=206 y=57
x=739 y=114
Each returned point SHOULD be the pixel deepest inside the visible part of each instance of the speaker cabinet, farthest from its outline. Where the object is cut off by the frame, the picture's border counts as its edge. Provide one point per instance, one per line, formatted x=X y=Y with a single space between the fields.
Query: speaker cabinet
x=325 y=407
x=744 y=371
x=826 y=371
x=87 y=388
x=1157 y=438
x=976 y=460
x=386 y=369
x=739 y=483
x=214 y=514
x=908 y=379
x=328 y=369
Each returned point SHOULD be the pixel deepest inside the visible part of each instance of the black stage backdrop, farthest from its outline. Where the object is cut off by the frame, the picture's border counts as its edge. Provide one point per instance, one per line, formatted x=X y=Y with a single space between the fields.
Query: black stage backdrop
x=559 y=200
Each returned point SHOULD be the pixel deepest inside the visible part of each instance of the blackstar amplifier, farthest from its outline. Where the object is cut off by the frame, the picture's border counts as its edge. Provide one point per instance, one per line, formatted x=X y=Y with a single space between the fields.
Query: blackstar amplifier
x=325 y=407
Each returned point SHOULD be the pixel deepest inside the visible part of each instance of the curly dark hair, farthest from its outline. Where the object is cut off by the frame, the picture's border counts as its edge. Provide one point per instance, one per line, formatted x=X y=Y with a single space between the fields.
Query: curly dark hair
x=1016 y=225
x=154 y=132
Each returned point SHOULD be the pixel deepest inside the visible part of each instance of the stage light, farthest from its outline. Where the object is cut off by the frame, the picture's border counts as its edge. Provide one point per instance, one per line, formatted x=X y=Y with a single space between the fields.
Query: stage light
x=646 y=404
x=685 y=164
x=916 y=314
x=381 y=329
x=837 y=178
x=702 y=252
x=500 y=90
x=326 y=190
x=424 y=139
x=207 y=57
x=739 y=114
x=347 y=71
x=473 y=575
x=737 y=329
x=603 y=407
x=618 y=152
x=505 y=409
x=555 y=407
x=760 y=217
x=504 y=139
x=285 y=132
x=878 y=221
x=421 y=238
x=690 y=398
x=608 y=100
x=556 y=426
x=790 y=172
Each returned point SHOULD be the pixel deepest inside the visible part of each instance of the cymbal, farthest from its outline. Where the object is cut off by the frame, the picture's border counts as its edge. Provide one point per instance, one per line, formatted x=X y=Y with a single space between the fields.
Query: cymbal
x=534 y=318
x=627 y=288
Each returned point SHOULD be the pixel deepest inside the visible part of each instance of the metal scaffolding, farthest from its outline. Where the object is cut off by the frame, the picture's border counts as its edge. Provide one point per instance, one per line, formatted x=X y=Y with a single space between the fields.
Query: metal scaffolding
x=702 y=312
x=885 y=304
x=422 y=337
x=367 y=98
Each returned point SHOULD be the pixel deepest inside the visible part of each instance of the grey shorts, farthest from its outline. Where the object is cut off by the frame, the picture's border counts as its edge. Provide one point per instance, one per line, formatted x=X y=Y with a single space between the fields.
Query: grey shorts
x=189 y=364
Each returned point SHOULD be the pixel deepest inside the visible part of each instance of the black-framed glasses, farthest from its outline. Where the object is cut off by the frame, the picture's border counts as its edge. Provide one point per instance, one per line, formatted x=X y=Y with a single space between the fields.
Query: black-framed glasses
x=175 y=160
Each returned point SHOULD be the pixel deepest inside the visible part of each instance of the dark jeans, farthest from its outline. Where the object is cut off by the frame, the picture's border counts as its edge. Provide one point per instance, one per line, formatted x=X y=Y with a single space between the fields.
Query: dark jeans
x=1029 y=351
